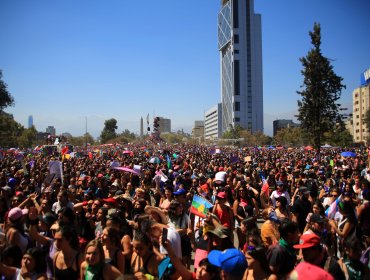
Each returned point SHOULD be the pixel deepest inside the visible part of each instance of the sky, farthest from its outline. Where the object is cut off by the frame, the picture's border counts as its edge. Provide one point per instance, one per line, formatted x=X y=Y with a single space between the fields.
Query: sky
x=67 y=62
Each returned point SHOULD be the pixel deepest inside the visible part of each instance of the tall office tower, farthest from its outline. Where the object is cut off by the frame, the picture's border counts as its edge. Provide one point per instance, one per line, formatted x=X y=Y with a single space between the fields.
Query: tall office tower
x=141 y=127
x=30 y=121
x=240 y=46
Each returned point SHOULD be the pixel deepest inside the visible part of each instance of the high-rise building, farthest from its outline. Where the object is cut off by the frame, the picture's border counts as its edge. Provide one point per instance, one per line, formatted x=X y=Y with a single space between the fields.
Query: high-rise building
x=30 y=121
x=213 y=122
x=141 y=127
x=164 y=125
x=240 y=46
x=198 y=129
x=361 y=103
x=51 y=130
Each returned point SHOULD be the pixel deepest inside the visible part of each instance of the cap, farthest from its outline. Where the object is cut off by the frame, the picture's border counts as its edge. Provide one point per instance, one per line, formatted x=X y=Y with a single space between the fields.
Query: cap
x=221 y=195
x=6 y=188
x=308 y=240
x=279 y=183
x=220 y=231
x=48 y=219
x=231 y=261
x=305 y=270
x=317 y=218
x=16 y=213
x=109 y=200
x=180 y=192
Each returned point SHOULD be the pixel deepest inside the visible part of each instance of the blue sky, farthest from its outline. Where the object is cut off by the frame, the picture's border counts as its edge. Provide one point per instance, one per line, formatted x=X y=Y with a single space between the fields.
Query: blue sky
x=68 y=60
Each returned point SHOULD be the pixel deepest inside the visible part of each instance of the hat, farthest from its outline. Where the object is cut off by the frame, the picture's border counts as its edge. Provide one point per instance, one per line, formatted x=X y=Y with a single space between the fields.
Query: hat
x=48 y=219
x=305 y=270
x=150 y=209
x=221 y=195
x=231 y=261
x=317 y=218
x=180 y=192
x=308 y=240
x=220 y=231
x=119 y=192
x=220 y=176
x=109 y=200
x=16 y=213
x=304 y=190
x=100 y=175
x=279 y=183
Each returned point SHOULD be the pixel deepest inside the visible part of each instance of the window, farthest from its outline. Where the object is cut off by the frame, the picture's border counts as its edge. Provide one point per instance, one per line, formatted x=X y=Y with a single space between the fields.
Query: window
x=237 y=119
x=236 y=51
x=237 y=106
x=236 y=39
x=236 y=78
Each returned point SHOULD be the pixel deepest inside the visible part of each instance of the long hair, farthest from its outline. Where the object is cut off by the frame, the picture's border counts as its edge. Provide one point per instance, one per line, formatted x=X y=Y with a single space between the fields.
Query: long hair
x=96 y=243
x=39 y=257
x=70 y=234
x=172 y=209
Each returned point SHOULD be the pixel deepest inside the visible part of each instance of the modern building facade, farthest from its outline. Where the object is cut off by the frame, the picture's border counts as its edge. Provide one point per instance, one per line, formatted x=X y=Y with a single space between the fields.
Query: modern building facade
x=198 y=129
x=361 y=103
x=164 y=125
x=213 y=123
x=280 y=124
x=240 y=47
x=30 y=121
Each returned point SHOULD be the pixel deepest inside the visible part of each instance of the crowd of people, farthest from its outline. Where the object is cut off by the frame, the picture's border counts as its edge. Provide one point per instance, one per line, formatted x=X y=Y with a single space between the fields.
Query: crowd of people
x=124 y=212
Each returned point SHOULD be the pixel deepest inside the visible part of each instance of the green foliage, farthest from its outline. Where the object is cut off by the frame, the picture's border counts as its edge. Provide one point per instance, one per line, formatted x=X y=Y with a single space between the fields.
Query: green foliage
x=291 y=136
x=82 y=140
x=109 y=131
x=10 y=131
x=338 y=137
x=172 y=138
x=318 y=111
x=233 y=132
x=28 y=138
x=6 y=98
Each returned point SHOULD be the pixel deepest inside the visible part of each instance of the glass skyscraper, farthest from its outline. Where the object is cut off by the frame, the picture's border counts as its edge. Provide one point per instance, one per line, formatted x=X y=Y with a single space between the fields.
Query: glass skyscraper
x=240 y=46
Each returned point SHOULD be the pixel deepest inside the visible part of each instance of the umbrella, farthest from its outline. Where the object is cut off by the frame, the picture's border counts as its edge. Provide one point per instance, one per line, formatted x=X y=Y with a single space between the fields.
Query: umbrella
x=308 y=148
x=154 y=160
x=326 y=146
x=348 y=154
x=125 y=169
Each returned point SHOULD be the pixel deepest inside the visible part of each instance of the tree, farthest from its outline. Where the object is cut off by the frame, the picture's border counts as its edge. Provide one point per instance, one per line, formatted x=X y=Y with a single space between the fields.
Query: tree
x=318 y=111
x=109 y=131
x=5 y=97
x=10 y=131
x=290 y=136
x=28 y=137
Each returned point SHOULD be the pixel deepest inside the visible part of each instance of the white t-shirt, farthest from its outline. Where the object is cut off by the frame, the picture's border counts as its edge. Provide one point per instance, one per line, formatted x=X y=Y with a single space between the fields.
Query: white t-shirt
x=174 y=238
x=275 y=195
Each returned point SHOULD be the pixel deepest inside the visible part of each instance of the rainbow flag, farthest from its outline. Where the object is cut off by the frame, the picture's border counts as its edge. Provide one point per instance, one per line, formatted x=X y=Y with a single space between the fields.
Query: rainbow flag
x=200 y=206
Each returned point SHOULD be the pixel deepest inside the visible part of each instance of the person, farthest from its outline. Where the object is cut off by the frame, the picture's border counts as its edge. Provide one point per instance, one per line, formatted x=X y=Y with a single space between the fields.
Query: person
x=223 y=211
x=14 y=231
x=68 y=259
x=351 y=263
x=315 y=253
x=282 y=257
x=244 y=206
x=94 y=266
x=301 y=208
x=232 y=263
x=205 y=270
x=280 y=191
x=144 y=262
x=62 y=202
x=111 y=247
x=32 y=267
x=258 y=267
x=281 y=209
x=305 y=270
x=269 y=229
x=165 y=201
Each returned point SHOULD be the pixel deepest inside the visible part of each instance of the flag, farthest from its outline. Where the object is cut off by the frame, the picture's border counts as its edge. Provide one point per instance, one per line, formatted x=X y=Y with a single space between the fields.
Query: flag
x=200 y=206
x=169 y=163
x=65 y=150
x=333 y=208
x=265 y=187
